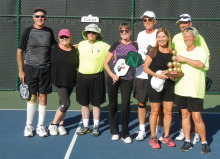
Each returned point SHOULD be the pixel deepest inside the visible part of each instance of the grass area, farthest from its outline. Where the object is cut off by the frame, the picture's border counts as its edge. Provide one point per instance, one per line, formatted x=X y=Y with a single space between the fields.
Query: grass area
x=11 y=100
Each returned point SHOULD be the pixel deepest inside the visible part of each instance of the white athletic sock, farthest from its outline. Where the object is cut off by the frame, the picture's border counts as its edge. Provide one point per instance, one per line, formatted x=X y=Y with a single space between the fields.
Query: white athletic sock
x=42 y=113
x=86 y=122
x=205 y=142
x=187 y=140
x=158 y=128
x=96 y=122
x=142 y=127
x=30 y=113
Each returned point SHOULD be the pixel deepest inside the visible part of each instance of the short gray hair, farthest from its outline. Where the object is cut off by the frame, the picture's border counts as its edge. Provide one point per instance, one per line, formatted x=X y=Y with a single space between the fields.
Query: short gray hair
x=193 y=30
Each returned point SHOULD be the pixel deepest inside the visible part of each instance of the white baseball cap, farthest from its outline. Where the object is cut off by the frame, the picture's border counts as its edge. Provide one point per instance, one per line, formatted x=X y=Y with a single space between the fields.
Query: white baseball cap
x=149 y=14
x=184 y=18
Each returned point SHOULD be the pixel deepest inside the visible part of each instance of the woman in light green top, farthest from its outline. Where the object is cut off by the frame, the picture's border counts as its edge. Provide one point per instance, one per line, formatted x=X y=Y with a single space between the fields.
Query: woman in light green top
x=190 y=89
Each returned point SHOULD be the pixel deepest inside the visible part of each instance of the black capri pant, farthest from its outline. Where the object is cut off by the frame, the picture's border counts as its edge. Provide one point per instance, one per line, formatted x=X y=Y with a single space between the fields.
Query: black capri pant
x=64 y=97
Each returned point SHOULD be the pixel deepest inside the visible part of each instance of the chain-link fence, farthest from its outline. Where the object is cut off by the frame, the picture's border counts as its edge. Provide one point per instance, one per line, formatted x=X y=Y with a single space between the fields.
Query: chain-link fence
x=16 y=15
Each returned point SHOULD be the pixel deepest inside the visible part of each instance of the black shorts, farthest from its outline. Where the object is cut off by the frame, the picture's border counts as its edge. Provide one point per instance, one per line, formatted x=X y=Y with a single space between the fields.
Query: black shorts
x=140 y=92
x=167 y=94
x=90 y=89
x=192 y=104
x=38 y=79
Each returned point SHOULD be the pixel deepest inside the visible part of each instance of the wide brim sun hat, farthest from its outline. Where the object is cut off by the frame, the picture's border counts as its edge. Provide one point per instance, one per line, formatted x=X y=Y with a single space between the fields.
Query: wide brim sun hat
x=93 y=28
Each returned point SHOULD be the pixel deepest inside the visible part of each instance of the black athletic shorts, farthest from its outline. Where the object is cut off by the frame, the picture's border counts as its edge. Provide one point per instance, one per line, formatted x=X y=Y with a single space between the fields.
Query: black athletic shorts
x=140 y=92
x=38 y=79
x=167 y=94
x=90 y=89
x=192 y=104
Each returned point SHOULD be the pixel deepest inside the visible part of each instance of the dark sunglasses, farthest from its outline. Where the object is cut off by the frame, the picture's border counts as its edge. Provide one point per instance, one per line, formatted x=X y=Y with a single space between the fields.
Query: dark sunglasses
x=66 y=37
x=122 y=31
x=38 y=16
x=188 y=29
x=90 y=32
x=183 y=17
x=149 y=20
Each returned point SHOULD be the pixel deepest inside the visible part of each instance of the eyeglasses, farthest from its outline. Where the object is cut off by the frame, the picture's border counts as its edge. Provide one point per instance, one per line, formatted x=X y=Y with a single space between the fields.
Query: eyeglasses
x=90 y=32
x=38 y=16
x=64 y=37
x=148 y=20
x=126 y=31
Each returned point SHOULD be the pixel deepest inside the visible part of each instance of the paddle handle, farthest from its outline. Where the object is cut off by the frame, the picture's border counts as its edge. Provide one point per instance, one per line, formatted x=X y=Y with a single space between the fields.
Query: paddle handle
x=113 y=83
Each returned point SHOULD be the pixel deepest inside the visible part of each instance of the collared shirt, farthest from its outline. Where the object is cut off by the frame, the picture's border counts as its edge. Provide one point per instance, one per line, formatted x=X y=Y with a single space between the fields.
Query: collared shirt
x=92 y=56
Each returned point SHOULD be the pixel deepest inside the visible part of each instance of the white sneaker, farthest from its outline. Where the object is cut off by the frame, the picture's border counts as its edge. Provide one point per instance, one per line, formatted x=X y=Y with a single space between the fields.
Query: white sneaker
x=181 y=135
x=28 y=131
x=196 y=138
x=53 y=129
x=62 y=130
x=159 y=136
x=161 y=139
x=42 y=131
x=127 y=140
x=115 y=137
x=141 y=135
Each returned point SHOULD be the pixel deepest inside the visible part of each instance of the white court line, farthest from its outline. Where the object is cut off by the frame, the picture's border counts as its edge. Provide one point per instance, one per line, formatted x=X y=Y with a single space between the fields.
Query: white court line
x=70 y=148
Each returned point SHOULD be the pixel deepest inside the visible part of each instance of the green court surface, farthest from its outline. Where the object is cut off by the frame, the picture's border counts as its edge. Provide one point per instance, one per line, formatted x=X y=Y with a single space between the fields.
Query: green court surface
x=11 y=100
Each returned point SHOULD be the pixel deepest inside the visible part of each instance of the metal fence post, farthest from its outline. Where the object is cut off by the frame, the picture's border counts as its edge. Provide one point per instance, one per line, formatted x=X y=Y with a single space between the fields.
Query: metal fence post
x=17 y=38
x=132 y=17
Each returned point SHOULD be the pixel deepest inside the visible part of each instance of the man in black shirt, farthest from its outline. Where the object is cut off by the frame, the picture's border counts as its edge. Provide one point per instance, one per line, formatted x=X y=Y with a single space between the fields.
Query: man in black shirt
x=36 y=42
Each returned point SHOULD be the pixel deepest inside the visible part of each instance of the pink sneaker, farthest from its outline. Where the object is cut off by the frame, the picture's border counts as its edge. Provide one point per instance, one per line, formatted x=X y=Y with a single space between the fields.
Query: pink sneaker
x=167 y=140
x=154 y=143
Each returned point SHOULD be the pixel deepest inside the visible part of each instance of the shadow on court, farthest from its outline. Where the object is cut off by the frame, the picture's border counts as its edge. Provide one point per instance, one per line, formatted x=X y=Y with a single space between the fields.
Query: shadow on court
x=70 y=120
x=14 y=145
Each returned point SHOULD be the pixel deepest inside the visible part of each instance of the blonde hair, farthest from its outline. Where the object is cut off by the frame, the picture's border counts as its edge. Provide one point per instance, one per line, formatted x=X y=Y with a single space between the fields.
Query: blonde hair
x=166 y=32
